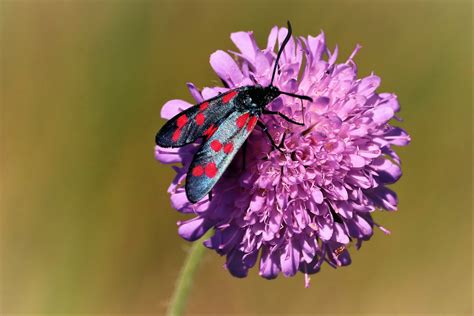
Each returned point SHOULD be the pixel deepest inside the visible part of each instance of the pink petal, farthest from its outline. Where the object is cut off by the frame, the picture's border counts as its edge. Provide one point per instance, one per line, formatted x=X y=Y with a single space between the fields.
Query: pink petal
x=235 y=264
x=308 y=250
x=385 y=198
x=357 y=161
x=317 y=195
x=369 y=151
x=368 y=85
x=350 y=105
x=208 y=93
x=246 y=43
x=388 y=171
x=339 y=191
x=269 y=264
x=226 y=68
x=290 y=260
x=343 y=208
x=325 y=230
x=391 y=100
x=382 y=114
x=397 y=136
x=257 y=203
x=193 y=229
x=272 y=38
x=179 y=200
x=194 y=92
x=340 y=234
x=333 y=56
x=173 y=107
x=364 y=227
x=167 y=155
x=359 y=178
x=317 y=46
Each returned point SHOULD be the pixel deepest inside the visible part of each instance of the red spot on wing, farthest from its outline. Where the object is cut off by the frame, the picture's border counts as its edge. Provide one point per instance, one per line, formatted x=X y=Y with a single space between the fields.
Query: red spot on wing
x=228 y=148
x=216 y=145
x=182 y=120
x=210 y=131
x=251 y=123
x=241 y=120
x=200 y=118
x=211 y=170
x=198 y=171
x=229 y=96
x=203 y=106
x=176 y=135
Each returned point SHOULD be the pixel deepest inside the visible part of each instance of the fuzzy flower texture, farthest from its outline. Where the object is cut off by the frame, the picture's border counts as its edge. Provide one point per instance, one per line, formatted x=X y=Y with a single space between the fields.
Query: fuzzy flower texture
x=294 y=211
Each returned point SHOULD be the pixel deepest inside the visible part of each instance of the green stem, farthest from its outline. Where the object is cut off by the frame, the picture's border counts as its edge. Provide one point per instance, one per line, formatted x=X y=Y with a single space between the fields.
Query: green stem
x=186 y=277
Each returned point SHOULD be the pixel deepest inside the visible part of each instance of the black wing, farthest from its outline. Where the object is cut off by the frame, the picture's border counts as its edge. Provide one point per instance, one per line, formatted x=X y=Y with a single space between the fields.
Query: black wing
x=197 y=121
x=215 y=155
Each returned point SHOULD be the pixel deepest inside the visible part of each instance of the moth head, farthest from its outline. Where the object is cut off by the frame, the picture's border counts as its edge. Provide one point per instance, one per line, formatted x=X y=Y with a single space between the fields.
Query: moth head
x=271 y=93
x=261 y=96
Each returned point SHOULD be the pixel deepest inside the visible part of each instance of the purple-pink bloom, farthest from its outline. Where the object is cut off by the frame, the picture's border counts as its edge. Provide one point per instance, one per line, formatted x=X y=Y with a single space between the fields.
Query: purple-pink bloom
x=303 y=207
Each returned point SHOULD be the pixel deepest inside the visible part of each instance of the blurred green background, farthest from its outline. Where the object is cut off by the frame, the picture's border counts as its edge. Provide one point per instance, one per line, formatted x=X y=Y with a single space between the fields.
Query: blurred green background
x=86 y=225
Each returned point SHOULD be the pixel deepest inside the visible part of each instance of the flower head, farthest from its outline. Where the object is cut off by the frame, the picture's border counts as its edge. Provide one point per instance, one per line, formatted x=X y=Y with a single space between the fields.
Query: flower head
x=301 y=207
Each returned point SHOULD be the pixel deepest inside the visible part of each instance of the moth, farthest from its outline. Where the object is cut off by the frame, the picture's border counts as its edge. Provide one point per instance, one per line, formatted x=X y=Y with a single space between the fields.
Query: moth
x=224 y=123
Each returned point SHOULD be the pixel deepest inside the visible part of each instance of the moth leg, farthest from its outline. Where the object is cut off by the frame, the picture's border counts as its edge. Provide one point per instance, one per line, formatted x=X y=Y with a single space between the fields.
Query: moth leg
x=210 y=195
x=286 y=118
x=244 y=154
x=265 y=130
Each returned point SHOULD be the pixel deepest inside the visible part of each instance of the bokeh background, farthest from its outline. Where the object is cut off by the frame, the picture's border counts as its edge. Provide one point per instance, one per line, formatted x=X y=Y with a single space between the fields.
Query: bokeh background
x=86 y=224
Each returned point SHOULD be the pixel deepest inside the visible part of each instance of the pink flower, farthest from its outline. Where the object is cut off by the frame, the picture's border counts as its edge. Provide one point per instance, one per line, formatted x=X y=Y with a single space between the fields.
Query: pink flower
x=302 y=207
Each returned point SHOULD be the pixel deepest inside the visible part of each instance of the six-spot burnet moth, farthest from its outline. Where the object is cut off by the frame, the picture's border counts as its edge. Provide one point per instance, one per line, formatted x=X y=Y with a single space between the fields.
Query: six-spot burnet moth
x=224 y=122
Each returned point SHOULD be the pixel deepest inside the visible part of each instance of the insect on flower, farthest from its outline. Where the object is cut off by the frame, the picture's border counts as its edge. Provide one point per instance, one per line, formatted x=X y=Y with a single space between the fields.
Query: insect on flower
x=225 y=122
x=298 y=206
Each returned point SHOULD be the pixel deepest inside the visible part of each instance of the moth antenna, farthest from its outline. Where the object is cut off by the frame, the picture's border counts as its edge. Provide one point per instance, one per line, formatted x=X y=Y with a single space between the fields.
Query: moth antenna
x=302 y=97
x=282 y=47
